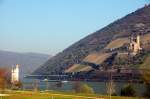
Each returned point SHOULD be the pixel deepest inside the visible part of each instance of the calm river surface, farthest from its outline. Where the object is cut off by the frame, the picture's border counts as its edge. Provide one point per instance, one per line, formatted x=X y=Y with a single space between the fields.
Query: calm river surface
x=98 y=87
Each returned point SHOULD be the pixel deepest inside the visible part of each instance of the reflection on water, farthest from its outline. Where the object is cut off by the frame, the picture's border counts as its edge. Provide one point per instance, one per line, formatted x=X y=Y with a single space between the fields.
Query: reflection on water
x=98 y=87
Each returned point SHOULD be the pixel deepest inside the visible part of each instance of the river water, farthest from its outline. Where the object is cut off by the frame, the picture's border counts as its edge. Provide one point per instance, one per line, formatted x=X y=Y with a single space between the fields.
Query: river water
x=98 y=87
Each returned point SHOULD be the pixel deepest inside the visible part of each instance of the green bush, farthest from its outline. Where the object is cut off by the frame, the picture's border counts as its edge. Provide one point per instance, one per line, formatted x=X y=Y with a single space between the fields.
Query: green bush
x=82 y=88
x=147 y=91
x=128 y=90
x=16 y=85
x=111 y=88
x=114 y=94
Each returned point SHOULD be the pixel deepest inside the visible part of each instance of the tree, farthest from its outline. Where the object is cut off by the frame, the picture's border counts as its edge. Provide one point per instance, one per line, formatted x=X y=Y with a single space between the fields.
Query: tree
x=111 y=88
x=16 y=85
x=128 y=90
x=3 y=79
x=145 y=70
x=147 y=91
x=82 y=88
x=146 y=77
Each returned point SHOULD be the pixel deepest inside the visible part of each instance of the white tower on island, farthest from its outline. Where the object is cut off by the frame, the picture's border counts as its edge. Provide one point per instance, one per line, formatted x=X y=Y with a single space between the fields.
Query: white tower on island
x=15 y=74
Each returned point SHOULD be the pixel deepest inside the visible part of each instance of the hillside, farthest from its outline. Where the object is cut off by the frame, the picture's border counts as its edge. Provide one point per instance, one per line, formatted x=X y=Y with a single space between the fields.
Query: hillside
x=134 y=23
x=146 y=64
x=28 y=61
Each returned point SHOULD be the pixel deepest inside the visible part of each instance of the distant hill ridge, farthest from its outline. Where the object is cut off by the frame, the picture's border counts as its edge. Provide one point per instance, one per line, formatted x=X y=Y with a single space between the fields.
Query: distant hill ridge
x=134 y=23
x=28 y=61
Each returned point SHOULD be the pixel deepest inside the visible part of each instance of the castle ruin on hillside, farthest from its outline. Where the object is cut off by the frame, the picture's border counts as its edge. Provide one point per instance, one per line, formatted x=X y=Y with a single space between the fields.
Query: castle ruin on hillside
x=135 y=45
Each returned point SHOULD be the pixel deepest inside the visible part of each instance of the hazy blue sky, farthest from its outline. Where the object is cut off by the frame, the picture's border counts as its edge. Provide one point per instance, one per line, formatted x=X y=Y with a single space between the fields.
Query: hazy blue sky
x=49 y=26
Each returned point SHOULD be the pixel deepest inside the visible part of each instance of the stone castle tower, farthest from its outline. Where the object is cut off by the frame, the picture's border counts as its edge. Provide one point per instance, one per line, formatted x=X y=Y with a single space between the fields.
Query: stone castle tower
x=15 y=74
x=135 y=45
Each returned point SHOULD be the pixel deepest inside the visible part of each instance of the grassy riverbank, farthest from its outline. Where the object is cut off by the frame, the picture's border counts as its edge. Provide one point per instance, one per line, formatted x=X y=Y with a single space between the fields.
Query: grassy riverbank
x=56 y=95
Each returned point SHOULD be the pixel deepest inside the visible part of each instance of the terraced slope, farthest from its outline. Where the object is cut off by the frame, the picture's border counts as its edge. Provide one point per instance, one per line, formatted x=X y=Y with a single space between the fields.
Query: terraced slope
x=78 y=68
x=97 y=58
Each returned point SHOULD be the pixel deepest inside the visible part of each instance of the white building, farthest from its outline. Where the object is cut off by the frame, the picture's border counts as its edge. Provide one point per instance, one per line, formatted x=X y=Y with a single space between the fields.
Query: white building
x=15 y=74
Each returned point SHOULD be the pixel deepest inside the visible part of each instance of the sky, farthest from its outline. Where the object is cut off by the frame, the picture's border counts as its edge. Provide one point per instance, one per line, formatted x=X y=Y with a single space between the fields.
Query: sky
x=50 y=26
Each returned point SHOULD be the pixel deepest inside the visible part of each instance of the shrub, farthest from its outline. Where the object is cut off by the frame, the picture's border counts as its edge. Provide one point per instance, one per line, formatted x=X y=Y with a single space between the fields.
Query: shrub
x=82 y=88
x=114 y=94
x=128 y=90
x=147 y=91
x=16 y=85
x=3 y=80
x=111 y=88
